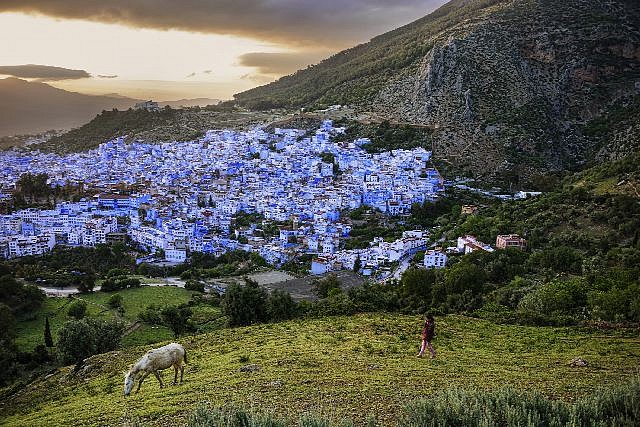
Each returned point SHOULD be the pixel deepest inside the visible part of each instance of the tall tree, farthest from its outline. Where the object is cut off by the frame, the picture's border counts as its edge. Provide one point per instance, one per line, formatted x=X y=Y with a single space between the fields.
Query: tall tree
x=48 y=339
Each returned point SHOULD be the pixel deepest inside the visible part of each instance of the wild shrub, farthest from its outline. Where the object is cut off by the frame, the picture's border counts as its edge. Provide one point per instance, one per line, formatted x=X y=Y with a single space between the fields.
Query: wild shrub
x=618 y=406
x=205 y=416
x=77 y=309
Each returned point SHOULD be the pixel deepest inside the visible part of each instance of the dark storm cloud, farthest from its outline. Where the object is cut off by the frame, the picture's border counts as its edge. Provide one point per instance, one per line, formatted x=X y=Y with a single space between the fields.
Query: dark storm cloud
x=329 y=23
x=42 y=72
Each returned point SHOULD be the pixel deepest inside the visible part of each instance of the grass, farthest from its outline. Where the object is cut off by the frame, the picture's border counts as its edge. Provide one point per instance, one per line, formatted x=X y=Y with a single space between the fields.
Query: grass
x=30 y=331
x=343 y=367
x=136 y=300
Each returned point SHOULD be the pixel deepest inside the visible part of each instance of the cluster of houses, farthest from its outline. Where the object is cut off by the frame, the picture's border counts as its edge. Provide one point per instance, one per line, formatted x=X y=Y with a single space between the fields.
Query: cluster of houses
x=437 y=258
x=370 y=259
x=182 y=197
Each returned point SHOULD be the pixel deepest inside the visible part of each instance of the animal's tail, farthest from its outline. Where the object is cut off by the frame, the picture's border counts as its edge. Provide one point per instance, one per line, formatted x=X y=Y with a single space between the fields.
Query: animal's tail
x=185 y=356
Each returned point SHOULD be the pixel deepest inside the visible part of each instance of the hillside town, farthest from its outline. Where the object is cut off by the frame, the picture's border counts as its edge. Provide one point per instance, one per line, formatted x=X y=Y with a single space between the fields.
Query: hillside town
x=176 y=198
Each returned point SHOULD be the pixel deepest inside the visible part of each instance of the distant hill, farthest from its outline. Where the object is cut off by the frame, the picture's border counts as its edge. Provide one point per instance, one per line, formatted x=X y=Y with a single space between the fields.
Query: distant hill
x=195 y=102
x=511 y=89
x=29 y=107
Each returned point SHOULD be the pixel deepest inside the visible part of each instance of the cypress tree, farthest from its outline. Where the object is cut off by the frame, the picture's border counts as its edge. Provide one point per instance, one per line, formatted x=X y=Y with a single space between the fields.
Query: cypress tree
x=48 y=340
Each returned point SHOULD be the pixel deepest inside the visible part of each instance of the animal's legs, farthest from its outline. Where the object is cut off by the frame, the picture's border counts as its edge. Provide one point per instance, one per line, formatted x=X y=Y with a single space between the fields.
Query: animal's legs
x=175 y=374
x=142 y=378
x=159 y=379
x=181 y=373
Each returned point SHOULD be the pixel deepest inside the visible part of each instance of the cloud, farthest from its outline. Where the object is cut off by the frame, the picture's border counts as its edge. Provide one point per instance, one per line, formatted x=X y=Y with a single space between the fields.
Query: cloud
x=278 y=63
x=43 y=72
x=308 y=23
x=188 y=76
x=107 y=76
x=207 y=71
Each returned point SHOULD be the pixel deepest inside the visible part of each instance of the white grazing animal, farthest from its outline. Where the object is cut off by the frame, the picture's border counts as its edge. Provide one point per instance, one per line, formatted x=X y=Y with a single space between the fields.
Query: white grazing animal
x=156 y=360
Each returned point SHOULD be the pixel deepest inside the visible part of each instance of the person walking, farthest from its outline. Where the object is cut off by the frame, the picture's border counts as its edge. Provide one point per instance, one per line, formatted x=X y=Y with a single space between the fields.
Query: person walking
x=428 y=331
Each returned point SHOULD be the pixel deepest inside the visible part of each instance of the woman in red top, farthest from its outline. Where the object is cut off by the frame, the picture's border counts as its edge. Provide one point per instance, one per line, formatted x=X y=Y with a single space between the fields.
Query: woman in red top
x=427 y=335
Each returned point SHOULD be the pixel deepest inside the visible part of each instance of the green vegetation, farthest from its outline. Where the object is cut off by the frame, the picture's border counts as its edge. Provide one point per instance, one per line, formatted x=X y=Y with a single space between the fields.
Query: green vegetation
x=234 y=263
x=79 y=339
x=57 y=267
x=346 y=367
x=108 y=125
x=386 y=136
x=32 y=191
x=29 y=327
x=452 y=408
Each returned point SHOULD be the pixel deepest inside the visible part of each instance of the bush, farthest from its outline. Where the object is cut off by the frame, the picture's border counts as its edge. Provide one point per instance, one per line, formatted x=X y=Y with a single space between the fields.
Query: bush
x=322 y=287
x=77 y=309
x=107 y=332
x=509 y=407
x=280 y=306
x=560 y=302
x=115 y=301
x=151 y=315
x=245 y=305
x=204 y=416
x=79 y=339
x=194 y=285
x=109 y=285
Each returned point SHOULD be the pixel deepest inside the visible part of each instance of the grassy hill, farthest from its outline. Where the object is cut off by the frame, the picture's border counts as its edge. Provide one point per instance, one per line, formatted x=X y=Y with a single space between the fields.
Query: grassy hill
x=342 y=367
x=168 y=124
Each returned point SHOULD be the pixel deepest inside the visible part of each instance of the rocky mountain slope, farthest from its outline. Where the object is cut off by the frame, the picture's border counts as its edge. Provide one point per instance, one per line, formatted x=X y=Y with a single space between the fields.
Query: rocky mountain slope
x=512 y=89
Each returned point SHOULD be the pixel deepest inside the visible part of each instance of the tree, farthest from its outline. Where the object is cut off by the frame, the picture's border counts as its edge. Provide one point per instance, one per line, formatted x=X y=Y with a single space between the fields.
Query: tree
x=177 y=319
x=76 y=342
x=245 y=305
x=79 y=339
x=194 y=285
x=357 y=264
x=48 y=340
x=7 y=323
x=77 y=309
x=322 y=287
x=20 y=298
x=280 y=306
x=415 y=287
x=107 y=332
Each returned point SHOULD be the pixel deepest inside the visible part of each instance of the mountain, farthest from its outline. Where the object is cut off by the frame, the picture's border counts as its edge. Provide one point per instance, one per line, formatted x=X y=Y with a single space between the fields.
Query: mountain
x=513 y=89
x=30 y=107
x=185 y=103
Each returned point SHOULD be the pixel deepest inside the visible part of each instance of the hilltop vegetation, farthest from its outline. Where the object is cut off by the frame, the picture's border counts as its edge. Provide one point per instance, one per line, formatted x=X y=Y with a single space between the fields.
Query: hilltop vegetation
x=153 y=126
x=349 y=367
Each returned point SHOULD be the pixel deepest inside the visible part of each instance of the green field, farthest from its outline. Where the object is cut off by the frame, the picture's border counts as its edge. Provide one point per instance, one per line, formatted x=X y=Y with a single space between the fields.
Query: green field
x=30 y=332
x=342 y=367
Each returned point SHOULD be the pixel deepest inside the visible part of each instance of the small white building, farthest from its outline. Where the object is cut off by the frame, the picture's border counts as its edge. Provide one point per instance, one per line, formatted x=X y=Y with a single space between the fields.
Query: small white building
x=435 y=259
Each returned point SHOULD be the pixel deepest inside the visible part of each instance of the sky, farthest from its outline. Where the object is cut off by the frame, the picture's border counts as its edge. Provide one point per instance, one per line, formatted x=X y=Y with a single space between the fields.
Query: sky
x=169 y=50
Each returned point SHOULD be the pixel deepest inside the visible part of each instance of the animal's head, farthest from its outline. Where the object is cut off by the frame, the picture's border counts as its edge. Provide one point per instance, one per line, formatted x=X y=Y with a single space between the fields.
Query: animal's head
x=128 y=383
